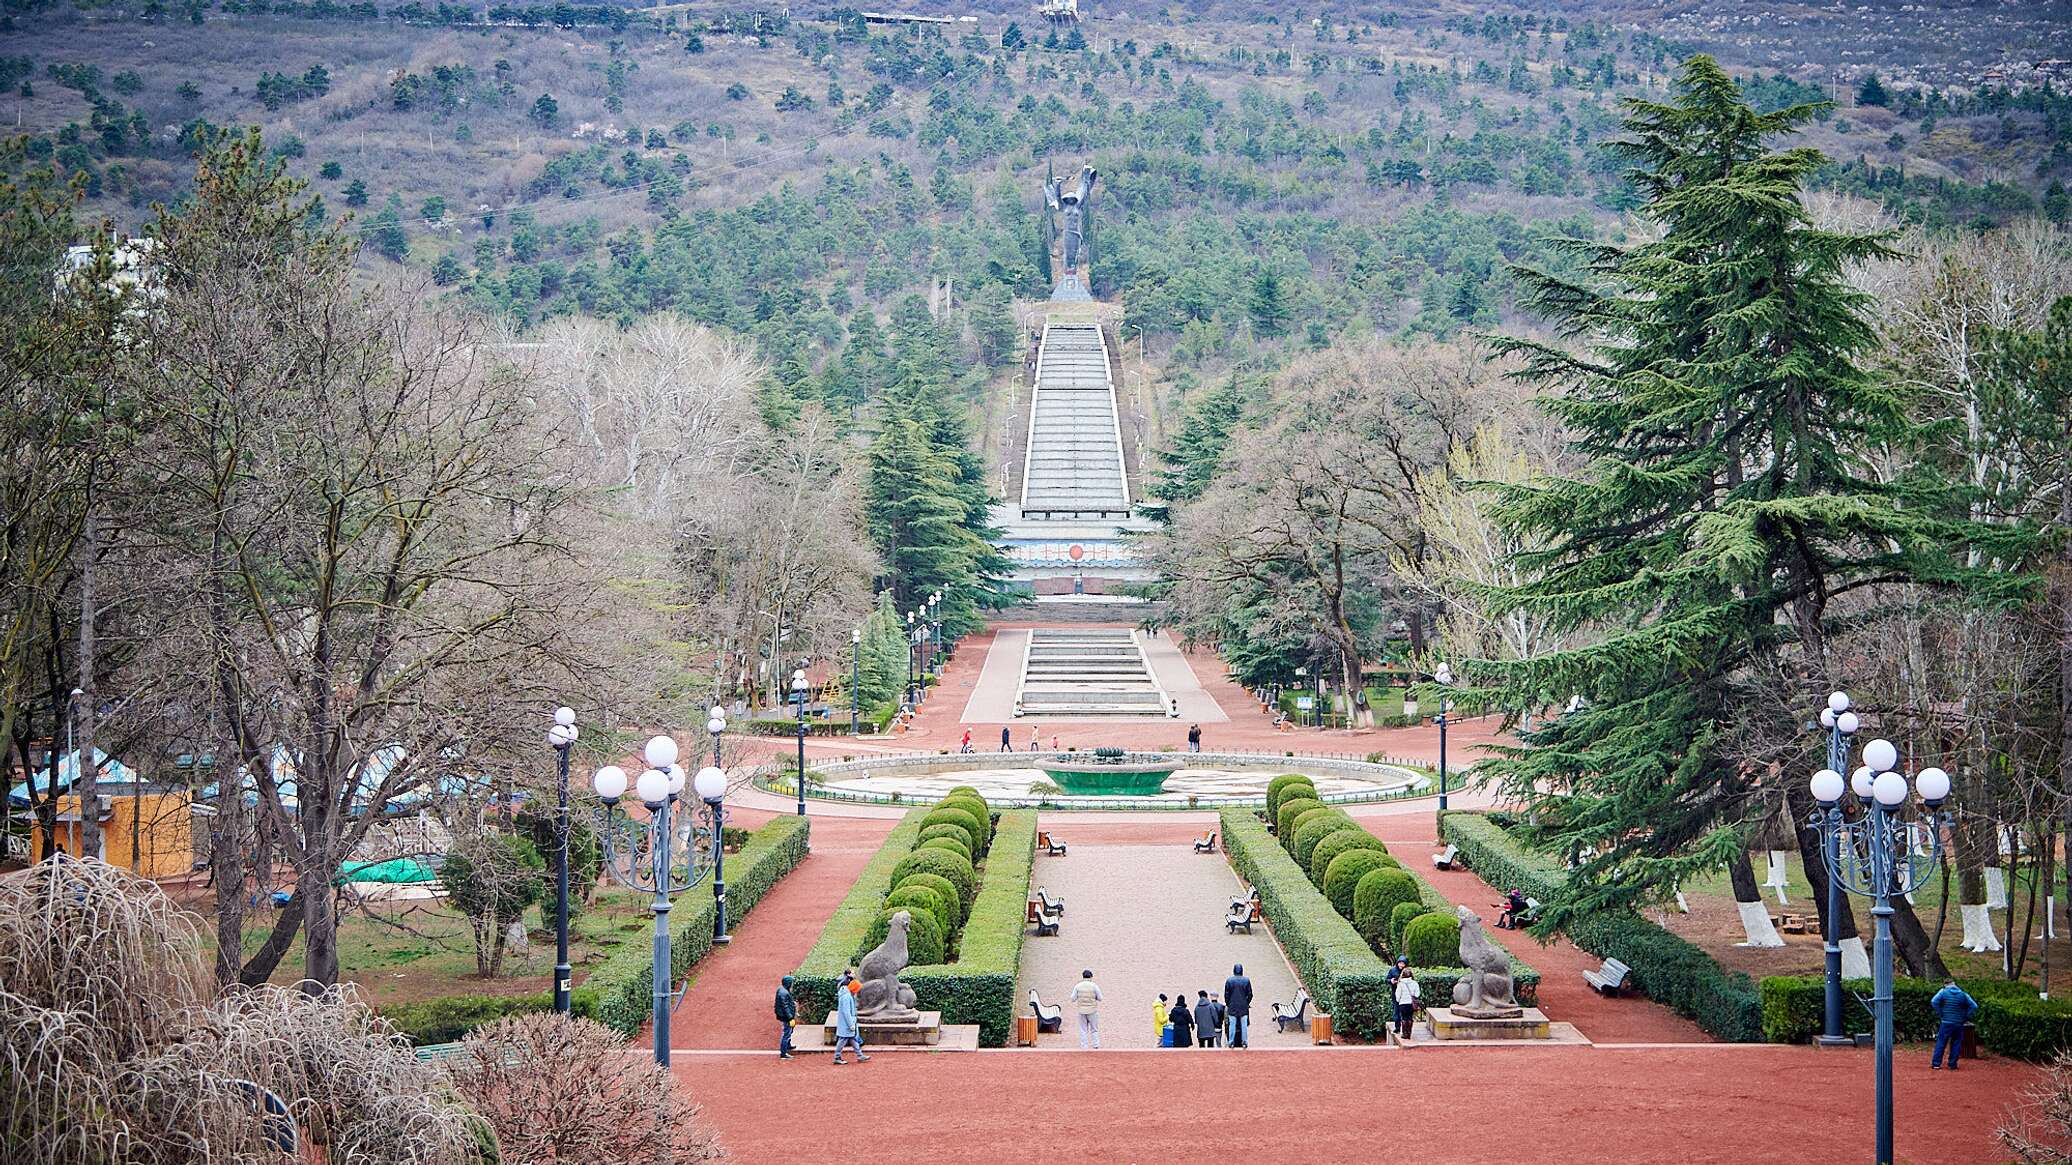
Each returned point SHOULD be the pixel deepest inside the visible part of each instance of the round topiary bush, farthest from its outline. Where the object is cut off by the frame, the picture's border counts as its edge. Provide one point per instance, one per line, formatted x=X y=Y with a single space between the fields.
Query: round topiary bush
x=1343 y=875
x=925 y=899
x=1290 y=808
x=973 y=831
x=941 y=862
x=1375 y=895
x=953 y=844
x=962 y=789
x=944 y=829
x=1432 y=940
x=1400 y=918
x=1320 y=858
x=1280 y=788
x=1315 y=828
x=943 y=887
x=979 y=813
x=925 y=942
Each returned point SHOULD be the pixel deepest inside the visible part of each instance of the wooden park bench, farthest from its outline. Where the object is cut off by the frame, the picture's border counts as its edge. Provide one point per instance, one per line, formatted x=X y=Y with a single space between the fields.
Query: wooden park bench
x=1609 y=979
x=1249 y=900
x=1447 y=858
x=1239 y=918
x=1206 y=843
x=1046 y=925
x=1048 y=1019
x=1051 y=845
x=1292 y=1015
x=1050 y=905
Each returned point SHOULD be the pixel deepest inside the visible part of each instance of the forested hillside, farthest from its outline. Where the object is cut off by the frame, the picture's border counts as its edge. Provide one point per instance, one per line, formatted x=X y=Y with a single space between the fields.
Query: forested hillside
x=1274 y=178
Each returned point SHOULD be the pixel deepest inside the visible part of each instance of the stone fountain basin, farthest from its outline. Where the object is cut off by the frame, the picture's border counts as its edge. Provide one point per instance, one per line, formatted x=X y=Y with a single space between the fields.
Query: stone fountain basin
x=1094 y=779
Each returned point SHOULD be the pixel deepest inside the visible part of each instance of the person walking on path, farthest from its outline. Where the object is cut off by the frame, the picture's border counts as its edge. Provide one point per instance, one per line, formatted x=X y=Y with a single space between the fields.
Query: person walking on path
x=1086 y=996
x=1953 y=1008
x=1158 y=1019
x=965 y=744
x=1205 y=1025
x=1183 y=1023
x=787 y=1017
x=1006 y=739
x=1035 y=739
x=1194 y=738
x=846 y=1031
x=1407 y=995
x=1237 y=1003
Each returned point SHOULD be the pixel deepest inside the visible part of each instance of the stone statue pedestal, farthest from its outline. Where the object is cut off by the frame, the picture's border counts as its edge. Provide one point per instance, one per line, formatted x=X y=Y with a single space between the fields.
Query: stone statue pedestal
x=1526 y=1023
x=921 y=1028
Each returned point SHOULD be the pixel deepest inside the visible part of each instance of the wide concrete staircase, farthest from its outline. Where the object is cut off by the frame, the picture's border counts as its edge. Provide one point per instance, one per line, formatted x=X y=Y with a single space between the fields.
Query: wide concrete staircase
x=1074 y=466
x=1093 y=671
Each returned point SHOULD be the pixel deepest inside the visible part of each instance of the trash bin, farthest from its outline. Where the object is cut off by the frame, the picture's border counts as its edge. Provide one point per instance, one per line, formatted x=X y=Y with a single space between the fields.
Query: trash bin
x=1320 y=1029
x=1025 y=1030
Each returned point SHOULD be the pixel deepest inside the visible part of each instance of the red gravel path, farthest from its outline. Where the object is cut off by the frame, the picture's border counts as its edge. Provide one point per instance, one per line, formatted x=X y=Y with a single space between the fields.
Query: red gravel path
x=1730 y=1104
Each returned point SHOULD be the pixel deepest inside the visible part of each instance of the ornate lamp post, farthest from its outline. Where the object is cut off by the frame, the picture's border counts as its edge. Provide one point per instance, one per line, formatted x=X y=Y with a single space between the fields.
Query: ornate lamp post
x=561 y=738
x=1841 y=724
x=658 y=789
x=1442 y=675
x=935 y=622
x=855 y=681
x=1876 y=856
x=711 y=786
x=798 y=692
x=912 y=642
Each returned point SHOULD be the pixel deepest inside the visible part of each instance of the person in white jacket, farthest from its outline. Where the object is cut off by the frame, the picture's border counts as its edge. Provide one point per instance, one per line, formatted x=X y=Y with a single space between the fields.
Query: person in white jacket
x=1086 y=998
x=1407 y=995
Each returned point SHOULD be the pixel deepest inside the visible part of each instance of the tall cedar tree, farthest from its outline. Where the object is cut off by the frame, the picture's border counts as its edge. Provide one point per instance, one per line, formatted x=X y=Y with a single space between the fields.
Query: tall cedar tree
x=1190 y=463
x=926 y=499
x=1723 y=416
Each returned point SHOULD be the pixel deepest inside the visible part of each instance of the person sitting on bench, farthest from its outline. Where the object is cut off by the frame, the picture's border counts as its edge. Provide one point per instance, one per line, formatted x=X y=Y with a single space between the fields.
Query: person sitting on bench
x=1514 y=906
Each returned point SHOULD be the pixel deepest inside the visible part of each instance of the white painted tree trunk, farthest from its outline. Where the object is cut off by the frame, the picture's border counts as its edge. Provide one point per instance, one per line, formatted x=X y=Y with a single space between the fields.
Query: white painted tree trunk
x=1856 y=964
x=1996 y=888
x=1776 y=880
x=1755 y=920
x=1978 y=928
x=2050 y=918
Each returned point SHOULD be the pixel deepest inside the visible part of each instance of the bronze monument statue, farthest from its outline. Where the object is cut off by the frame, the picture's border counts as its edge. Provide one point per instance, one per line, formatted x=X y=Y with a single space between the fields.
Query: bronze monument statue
x=1069 y=208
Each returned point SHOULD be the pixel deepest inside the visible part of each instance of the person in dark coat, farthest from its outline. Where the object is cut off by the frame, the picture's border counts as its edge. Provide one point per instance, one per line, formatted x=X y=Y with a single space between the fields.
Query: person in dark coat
x=787 y=1015
x=1006 y=739
x=1205 y=1019
x=1237 y=1002
x=1183 y=1024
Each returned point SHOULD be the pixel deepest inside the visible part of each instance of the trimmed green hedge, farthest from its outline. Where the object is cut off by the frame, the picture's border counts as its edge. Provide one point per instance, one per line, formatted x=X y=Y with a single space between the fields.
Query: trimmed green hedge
x=943 y=864
x=926 y=941
x=1285 y=814
x=1375 y=898
x=446 y=1019
x=1432 y=939
x=1400 y=917
x=1673 y=972
x=1338 y=843
x=1278 y=788
x=625 y=984
x=927 y=899
x=2011 y=1021
x=1311 y=833
x=1342 y=877
x=953 y=844
x=1347 y=979
x=977 y=988
x=975 y=834
x=943 y=888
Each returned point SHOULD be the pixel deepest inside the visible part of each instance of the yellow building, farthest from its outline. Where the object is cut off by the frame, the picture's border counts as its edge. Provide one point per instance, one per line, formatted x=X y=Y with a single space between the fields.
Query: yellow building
x=143 y=828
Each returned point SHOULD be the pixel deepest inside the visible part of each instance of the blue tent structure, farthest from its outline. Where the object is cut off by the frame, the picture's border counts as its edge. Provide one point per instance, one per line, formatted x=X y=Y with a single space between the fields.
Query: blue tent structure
x=111 y=771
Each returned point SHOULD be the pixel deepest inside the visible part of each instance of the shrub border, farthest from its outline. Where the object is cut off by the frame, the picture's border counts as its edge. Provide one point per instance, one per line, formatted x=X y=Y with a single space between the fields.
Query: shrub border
x=1674 y=972
x=980 y=986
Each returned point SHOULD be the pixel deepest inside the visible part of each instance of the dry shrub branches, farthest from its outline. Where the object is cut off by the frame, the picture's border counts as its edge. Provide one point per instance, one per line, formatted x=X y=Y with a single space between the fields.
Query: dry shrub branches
x=570 y=1090
x=111 y=1048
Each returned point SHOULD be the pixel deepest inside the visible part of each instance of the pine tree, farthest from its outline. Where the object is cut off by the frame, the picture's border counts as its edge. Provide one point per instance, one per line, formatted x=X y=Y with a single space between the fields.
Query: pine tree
x=1724 y=503
x=992 y=325
x=1190 y=463
x=1466 y=301
x=1268 y=306
x=1872 y=92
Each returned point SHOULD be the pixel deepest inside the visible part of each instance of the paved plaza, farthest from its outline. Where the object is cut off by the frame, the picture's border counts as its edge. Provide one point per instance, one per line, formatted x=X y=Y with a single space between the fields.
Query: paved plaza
x=1146 y=919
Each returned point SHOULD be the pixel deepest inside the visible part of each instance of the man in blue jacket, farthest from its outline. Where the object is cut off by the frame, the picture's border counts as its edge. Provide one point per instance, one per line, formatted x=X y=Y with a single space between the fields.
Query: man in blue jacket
x=1237 y=1004
x=1953 y=1009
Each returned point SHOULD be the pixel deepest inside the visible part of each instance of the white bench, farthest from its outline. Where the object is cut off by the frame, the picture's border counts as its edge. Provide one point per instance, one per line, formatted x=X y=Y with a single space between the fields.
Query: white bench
x=1446 y=858
x=1609 y=979
x=1286 y=1016
x=1206 y=843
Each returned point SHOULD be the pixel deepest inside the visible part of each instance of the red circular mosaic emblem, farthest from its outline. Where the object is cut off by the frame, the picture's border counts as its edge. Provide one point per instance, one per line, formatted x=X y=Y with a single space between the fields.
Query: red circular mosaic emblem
x=1077 y=552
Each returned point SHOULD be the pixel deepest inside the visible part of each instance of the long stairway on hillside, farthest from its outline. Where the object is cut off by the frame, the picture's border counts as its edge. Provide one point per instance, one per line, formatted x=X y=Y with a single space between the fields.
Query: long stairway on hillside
x=1093 y=671
x=1074 y=466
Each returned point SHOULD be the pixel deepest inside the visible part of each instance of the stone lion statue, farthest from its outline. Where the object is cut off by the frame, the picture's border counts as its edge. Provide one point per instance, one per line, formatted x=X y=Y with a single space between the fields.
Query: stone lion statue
x=883 y=996
x=1486 y=991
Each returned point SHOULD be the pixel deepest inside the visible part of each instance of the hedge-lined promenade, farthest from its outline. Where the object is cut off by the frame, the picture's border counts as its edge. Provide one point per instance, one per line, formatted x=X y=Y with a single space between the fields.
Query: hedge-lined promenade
x=979 y=986
x=1343 y=969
